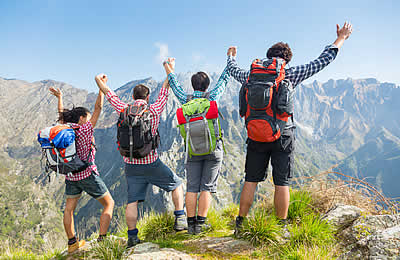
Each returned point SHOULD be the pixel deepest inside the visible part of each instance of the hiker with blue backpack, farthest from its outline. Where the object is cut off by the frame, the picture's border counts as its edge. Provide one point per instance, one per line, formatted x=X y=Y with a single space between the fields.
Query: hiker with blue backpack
x=266 y=102
x=77 y=125
x=138 y=139
x=198 y=122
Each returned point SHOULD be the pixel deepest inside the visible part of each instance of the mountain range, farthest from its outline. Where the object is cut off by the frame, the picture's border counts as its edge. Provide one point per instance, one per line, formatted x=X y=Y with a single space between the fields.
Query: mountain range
x=351 y=126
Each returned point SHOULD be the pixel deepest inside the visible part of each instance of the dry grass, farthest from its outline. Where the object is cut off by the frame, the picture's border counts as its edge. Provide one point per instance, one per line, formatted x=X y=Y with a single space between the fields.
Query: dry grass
x=330 y=188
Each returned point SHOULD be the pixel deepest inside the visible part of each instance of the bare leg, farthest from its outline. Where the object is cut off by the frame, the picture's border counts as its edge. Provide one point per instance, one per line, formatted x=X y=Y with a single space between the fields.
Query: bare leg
x=204 y=203
x=177 y=198
x=68 y=220
x=247 y=197
x=191 y=204
x=131 y=214
x=281 y=201
x=105 y=218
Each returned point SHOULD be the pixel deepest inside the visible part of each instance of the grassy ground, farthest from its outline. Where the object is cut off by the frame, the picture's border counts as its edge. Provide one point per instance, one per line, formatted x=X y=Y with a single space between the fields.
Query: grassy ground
x=305 y=236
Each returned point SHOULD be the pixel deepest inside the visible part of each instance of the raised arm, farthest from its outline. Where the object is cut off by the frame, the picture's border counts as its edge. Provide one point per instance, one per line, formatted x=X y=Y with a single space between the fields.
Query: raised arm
x=97 y=108
x=169 y=66
x=161 y=101
x=114 y=100
x=237 y=73
x=218 y=90
x=57 y=93
x=297 y=74
x=101 y=81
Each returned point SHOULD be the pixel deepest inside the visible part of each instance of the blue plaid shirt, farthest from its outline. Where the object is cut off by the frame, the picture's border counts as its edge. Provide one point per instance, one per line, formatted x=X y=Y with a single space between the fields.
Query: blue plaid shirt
x=295 y=74
x=215 y=94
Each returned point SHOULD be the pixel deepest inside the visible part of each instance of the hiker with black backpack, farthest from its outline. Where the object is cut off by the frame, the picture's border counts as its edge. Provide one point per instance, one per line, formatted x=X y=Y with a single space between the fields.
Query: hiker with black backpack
x=88 y=180
x=199 y=125
x=138 y=140
x=266 y=103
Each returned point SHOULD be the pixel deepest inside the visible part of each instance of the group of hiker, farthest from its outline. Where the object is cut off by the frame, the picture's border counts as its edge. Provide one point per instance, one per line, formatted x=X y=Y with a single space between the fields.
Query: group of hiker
x=265 y=102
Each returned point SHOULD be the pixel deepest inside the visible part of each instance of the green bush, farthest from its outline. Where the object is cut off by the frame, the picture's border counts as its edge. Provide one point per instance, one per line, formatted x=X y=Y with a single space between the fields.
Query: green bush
x=261 y=227
x=301 y=204
x=153 y=226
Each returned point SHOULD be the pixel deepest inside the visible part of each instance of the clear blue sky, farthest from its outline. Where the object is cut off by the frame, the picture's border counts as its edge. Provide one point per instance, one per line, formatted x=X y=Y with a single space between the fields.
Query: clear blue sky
x=72 y=41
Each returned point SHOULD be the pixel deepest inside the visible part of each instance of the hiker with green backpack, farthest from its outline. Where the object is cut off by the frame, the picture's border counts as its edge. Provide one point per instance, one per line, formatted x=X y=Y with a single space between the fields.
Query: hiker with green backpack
x=199 y=126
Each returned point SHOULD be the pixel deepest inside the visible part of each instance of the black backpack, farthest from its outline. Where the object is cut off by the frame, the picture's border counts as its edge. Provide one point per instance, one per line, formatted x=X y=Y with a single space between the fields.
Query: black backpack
x=134 y=133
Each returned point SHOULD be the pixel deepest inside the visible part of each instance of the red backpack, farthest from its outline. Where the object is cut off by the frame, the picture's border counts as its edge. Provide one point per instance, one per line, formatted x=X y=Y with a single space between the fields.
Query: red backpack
x=266 y=100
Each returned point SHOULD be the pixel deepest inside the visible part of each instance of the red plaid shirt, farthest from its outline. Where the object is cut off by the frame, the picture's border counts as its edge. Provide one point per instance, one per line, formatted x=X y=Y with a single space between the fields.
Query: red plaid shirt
x=83 y=138
x=155 y=109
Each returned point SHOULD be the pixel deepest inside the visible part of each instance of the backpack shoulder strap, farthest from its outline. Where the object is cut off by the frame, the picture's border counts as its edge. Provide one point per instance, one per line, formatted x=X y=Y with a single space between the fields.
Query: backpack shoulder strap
x=204 y=95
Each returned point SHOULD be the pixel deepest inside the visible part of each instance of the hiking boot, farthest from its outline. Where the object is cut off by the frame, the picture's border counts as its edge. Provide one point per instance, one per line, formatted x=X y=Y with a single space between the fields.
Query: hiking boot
x=201 y=227
x=180 y=223
x=132 y=241
x=191 y=228
x=285 y=230
x=75 y=246
x=238 y=227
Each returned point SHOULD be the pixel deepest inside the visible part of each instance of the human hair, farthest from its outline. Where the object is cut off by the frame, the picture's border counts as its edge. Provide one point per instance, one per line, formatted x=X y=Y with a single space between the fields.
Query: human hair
x=200 y=81
x=72 y=115
x=280 y=50
x=140 y=91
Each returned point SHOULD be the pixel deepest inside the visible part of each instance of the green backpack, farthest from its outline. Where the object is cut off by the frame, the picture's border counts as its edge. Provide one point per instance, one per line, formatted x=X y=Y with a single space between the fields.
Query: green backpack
x=199 y=126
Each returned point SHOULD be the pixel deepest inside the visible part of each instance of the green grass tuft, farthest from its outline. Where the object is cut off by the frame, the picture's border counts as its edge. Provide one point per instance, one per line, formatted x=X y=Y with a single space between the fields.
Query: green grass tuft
x=109 y=248
x=154 y=226
x=311 y=231
x=301 y=204
x=261 y=227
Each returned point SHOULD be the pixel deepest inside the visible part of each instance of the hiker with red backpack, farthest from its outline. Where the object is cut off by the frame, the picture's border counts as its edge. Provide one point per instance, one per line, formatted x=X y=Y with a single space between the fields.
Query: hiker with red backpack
x=266 y=103
x=138 y=140
x=198 y=122
x=88 y=180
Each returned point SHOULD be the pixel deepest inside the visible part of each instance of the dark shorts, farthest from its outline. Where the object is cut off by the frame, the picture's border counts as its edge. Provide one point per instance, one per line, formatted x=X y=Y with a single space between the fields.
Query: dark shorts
x=139 y=176
x=281 y=153
x=202 y=171
x=92 y=185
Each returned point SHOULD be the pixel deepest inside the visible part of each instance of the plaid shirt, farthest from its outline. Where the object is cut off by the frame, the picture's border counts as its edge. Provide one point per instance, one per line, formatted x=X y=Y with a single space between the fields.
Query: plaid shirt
x=295 y=74
x=215 y=93
x=84 y=138
x=155 y=109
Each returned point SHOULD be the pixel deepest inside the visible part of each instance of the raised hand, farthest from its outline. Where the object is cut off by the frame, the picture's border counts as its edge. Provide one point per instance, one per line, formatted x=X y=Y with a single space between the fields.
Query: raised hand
x=171 y=62
x=232 y=51
x=169 y=65
x=345 y=31
x=102 y=77
x=56 y=92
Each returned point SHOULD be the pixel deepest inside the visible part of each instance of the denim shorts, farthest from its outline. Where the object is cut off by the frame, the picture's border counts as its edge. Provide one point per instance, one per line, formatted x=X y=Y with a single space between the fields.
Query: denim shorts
x=202 y=171
x=92 y=185
x=139 y=176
